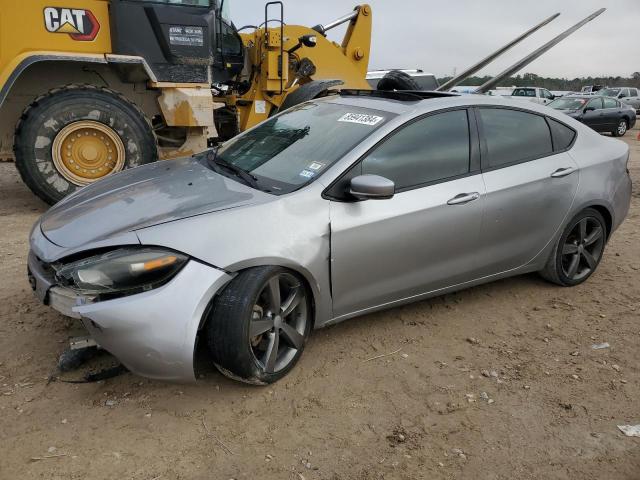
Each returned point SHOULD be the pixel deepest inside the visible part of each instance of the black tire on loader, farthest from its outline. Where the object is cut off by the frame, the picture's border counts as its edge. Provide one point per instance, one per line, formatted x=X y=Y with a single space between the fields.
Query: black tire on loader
x=123 y=138
x=308 y=91
x=397 y=80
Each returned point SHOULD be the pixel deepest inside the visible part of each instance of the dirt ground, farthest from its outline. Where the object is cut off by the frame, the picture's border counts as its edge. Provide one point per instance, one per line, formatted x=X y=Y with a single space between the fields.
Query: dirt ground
x=549 y=409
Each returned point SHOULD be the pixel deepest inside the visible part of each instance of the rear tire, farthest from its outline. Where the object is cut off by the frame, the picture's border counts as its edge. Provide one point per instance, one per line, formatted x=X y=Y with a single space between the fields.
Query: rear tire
x=621 y=129
x=397 y=80
x=259 y=325
x=123 y=138
x=578 y=251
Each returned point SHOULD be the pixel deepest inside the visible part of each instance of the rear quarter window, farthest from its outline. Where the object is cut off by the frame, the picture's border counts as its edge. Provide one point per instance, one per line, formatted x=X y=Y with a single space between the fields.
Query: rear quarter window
x=561 y=134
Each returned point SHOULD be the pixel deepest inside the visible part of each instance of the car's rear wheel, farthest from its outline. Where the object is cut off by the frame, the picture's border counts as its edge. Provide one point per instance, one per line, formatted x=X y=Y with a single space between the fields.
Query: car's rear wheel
x=259 y=325
x=578 y=251
x=620 y=129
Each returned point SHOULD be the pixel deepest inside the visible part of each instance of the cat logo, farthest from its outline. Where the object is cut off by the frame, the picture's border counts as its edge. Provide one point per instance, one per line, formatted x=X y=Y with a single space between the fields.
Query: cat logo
x=79 y=24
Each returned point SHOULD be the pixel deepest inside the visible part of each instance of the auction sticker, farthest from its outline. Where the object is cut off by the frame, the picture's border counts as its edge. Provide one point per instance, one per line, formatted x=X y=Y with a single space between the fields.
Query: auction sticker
x=307 y=173
x=361 y=118
x=316 y=166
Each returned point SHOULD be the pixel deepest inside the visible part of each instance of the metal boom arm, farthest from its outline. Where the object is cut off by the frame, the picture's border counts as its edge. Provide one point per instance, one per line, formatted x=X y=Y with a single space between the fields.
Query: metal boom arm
x=532 y=56
x=482 y=63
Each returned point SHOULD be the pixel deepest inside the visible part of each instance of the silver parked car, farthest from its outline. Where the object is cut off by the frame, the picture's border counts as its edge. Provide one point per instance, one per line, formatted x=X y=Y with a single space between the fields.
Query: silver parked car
x=338 y=207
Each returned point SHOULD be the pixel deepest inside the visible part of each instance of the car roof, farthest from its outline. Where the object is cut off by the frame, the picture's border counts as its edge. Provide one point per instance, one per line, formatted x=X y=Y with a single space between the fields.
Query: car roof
x=407 y=102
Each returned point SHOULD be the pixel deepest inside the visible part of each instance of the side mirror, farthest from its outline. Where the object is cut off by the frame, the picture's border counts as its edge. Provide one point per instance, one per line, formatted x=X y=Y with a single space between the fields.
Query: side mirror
x=372 y=187
x=589 y=109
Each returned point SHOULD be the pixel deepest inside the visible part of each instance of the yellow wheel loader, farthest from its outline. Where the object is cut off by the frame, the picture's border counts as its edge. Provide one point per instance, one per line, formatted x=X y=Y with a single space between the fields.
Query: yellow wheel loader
x=91 y=87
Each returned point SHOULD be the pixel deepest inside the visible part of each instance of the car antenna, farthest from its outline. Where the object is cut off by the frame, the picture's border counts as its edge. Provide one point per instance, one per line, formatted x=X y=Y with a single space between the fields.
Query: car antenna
x=534 y=55
x=486 y=61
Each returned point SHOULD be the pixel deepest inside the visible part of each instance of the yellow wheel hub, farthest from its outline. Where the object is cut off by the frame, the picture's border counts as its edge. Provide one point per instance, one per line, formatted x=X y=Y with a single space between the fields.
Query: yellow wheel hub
x=86 y=151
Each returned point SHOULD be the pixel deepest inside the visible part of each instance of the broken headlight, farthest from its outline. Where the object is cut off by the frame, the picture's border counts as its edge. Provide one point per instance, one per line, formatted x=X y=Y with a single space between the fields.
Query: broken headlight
x=122 y=272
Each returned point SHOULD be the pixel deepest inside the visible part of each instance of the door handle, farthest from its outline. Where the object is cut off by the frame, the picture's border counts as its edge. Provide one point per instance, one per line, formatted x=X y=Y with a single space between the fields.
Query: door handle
x=563 y=172
x=463 y=198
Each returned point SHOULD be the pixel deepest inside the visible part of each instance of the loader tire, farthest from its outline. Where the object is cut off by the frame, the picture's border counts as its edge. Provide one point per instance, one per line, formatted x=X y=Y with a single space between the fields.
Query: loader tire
x=308 y=91
x=397 y=80
x=76 y=135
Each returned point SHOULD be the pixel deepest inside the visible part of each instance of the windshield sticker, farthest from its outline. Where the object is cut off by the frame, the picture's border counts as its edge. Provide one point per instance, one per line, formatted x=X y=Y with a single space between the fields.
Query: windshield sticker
x=361 y=118
x=307 y=173
x=315 y=166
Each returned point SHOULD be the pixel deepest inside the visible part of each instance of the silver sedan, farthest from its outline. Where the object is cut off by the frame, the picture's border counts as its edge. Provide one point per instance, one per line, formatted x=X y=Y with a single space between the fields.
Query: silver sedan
x=338 y=207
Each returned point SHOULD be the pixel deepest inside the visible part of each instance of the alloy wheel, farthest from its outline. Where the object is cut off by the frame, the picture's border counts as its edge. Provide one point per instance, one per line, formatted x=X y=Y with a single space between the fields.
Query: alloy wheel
x=622 y=128
x=278 y=322
x=583 y=248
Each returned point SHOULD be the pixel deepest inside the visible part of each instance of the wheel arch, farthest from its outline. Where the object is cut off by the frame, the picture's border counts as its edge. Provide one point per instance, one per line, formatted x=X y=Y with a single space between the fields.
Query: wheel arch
x=606 y=214
x=603 y=209
x=311 y=283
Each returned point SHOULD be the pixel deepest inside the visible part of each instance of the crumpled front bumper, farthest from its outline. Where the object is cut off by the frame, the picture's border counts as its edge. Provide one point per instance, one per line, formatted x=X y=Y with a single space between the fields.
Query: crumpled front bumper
x=152 y=333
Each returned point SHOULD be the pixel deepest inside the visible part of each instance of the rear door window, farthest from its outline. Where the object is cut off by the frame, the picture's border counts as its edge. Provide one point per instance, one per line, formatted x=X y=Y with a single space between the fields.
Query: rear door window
x=513 y=136
x=610 y=102
x=524 y=92
x=428 y=150
x=595 y=103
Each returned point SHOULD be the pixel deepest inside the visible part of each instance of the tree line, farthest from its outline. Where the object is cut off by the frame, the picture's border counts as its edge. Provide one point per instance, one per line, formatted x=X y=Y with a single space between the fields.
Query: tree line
x=550 y=83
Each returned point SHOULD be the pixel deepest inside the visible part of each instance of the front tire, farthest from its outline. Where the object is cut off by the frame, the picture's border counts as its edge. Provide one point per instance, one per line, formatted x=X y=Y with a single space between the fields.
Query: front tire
x=259 y=325
x=75 y=135
x=578 y=251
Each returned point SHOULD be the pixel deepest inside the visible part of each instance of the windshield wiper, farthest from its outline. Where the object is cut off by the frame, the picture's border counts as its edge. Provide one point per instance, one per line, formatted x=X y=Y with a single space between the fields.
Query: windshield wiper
x=215 y=161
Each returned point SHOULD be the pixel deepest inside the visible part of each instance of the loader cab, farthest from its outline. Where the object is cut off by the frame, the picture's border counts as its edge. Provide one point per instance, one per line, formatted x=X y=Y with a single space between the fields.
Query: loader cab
x=183 y=41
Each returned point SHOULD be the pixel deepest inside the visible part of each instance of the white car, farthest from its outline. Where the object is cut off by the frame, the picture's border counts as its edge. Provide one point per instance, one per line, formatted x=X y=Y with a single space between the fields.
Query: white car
x=538 y=95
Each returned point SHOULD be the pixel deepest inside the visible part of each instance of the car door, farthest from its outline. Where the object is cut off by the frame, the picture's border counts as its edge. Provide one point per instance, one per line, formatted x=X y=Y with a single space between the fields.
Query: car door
x=546 y=96
x=593 y=114
x=530 y=182
x=611 y=112
x=422 y=239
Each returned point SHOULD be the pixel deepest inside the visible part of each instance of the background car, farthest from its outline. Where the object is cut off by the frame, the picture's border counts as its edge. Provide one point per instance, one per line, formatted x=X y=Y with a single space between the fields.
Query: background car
x=628 y=95
x=340 y=206
x=533 y=94
x=603 y=114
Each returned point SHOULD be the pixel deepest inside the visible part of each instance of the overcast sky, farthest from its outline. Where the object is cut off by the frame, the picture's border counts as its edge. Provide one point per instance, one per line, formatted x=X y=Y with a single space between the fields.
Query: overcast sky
x=442 y=36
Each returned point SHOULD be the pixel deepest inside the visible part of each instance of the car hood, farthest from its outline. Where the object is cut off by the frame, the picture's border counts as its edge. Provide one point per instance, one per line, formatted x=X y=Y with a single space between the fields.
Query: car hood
x=141 y=197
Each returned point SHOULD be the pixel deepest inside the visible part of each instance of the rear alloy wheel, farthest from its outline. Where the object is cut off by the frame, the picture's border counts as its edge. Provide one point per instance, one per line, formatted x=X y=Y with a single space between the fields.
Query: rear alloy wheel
x=259 y=325
x=578 y=251
x=621 y=129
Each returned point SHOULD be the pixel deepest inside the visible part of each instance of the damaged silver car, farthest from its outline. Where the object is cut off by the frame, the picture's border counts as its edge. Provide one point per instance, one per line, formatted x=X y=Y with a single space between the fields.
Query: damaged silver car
x=335 y=208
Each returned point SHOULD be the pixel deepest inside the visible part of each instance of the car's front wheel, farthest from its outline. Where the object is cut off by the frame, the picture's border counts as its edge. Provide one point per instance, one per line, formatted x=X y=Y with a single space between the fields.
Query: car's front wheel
x=620 y=129
x=578 y=251
x=259 y=324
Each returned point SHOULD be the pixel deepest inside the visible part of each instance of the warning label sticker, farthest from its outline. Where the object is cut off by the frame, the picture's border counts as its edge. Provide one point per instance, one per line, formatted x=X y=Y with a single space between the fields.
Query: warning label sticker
x=186 y=36
x=361 y=118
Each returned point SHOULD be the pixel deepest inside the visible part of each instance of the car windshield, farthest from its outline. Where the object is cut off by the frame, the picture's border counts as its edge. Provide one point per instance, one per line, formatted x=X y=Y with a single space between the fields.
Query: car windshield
x=568 y=103
x=290 y=150
x=609 y=92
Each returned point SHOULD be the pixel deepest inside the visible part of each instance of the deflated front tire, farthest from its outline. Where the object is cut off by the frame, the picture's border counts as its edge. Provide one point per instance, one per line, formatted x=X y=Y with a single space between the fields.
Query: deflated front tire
x=259 y=325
